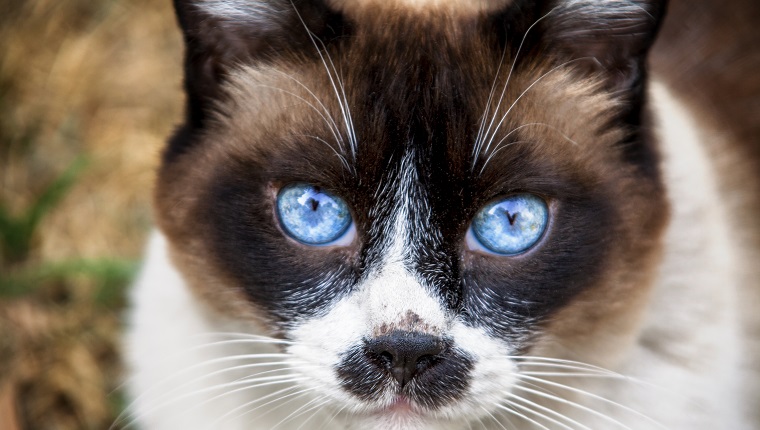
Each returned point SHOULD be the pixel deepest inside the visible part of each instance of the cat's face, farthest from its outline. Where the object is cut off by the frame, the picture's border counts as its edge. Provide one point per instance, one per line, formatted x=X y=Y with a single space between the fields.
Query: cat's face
x=418 y=198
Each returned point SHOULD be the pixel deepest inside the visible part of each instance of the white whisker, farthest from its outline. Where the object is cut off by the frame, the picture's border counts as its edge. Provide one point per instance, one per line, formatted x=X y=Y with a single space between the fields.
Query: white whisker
x=340 y=95
x=479 y=143
x=535 y=360
x=548 y=411
x=266 y=381
x=566 y=367
x=304 y=409
x=536 y=81
x=539 y=414
x=306 y=421
x=333 y=125
x=237 y=410
x=576 y=375
x=242 y=336
x=337 y=154
x=481 y=130
x=594 y=396
x=513 y=412
x=328 y=120
x=576 y=405
x=493 y=153
x=247 y=378
x=493 y=418
x=162 y=382
x=330 y=420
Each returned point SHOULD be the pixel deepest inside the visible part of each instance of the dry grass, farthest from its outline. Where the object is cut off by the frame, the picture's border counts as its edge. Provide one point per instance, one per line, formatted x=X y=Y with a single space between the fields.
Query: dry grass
x=79 y=79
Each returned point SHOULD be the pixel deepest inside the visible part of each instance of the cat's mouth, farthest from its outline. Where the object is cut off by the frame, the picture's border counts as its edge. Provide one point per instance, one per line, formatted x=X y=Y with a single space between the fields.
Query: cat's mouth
x=401 y=409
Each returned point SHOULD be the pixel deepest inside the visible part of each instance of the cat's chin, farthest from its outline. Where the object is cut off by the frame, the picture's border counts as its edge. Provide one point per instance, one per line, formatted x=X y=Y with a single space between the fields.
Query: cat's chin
x=402 y=413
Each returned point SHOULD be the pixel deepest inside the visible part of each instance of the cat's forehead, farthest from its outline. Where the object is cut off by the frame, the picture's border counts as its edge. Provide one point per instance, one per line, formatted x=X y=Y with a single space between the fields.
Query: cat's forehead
x=392 y=85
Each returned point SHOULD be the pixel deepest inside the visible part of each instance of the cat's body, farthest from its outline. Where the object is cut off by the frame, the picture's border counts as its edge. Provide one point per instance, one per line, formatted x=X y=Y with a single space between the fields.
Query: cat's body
x=634 y=309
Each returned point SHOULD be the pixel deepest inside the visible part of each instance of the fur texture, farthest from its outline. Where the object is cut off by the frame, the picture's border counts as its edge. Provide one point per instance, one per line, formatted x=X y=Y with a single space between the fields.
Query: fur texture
x=625 y=314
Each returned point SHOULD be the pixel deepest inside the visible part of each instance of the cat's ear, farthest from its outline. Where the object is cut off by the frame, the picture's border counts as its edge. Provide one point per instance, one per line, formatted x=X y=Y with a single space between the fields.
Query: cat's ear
x=220 y=34
x=611 y=37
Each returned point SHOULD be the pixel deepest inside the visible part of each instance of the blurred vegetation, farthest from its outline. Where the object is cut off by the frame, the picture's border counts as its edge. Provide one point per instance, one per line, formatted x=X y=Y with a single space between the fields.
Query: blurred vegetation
x=89 y=89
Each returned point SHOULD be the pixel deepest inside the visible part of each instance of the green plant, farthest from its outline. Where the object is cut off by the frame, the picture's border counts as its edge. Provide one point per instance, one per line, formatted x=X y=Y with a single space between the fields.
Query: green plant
x=17 y=232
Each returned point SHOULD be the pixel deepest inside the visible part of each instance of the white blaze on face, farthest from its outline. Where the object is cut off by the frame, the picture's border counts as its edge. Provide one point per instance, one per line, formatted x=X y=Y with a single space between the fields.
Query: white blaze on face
x=392 y=297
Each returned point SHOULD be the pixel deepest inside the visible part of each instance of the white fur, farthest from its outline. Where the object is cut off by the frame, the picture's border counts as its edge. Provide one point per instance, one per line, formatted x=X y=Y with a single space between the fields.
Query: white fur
x=693 y=319
x=238 y=9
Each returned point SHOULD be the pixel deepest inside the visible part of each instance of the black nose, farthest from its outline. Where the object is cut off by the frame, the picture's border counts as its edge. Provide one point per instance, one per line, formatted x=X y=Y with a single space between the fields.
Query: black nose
x=405 y=354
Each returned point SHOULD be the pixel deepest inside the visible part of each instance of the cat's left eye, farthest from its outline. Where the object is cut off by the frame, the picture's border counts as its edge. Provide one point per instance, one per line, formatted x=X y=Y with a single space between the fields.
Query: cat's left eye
x=509 y=226
x=314 y=216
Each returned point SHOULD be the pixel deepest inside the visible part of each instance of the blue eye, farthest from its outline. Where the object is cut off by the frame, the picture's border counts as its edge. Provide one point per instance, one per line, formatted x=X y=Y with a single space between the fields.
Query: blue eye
x=509 y=226
x=313 y=216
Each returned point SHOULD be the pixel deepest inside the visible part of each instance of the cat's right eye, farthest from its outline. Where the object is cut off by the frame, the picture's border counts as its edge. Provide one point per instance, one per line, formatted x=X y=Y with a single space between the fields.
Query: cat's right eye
x=509 y=226
x=314 y=216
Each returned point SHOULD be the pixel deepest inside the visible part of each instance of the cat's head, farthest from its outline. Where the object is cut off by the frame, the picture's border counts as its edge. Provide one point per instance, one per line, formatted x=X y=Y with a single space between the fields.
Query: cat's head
x=418 y=194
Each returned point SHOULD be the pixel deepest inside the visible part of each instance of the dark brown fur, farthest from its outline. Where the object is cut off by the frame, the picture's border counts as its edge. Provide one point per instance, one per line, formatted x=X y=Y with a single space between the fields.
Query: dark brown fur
x=432 y=74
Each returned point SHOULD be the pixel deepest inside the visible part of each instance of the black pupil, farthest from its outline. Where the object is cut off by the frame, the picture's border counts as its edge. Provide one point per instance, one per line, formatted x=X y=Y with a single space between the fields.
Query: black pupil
x=510 y=217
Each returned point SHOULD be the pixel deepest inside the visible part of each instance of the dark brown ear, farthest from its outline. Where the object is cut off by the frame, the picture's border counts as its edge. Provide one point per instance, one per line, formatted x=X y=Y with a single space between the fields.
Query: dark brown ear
x=608 y=36
x=611 y=37
x=220 y=34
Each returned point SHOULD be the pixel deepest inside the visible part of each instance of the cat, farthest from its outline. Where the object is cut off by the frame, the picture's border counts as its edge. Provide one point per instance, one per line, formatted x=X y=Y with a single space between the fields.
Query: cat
x=450 y=214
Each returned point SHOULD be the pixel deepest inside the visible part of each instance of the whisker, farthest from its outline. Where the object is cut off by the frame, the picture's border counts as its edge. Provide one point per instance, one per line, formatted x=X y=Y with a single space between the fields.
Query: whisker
x=340 y=156
x=249 y=339
x=210 y=362
x=342 y=102
x=573 y=404
x=481 y=130
x=316 y=412
x=292 y=396
x=539 y=79
x=267 y=381
x=493 y=418
x=154 y=387
x=498 y=145
x=538 y=358
x=509 y=76
x=334 y=126
x=493 y=153
x=518 y=414
x=321 y=401
x=539 y=414
x=522 y=366
x=539 y=361
x=482 y=422
x=330 y=420
x=248 y=378
x=594 y=396
x=242 y=336
x=330 y=123
x=548 y=411
x=577 y=375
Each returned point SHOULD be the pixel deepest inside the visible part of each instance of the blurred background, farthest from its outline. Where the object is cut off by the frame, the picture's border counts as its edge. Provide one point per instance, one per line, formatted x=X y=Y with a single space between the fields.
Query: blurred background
x=89 y=91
